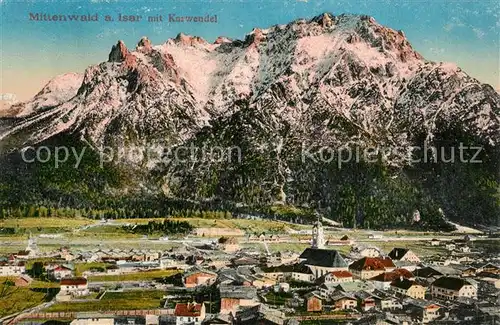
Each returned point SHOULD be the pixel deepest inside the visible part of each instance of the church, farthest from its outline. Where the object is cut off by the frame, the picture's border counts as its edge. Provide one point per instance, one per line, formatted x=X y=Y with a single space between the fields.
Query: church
x=319 y=260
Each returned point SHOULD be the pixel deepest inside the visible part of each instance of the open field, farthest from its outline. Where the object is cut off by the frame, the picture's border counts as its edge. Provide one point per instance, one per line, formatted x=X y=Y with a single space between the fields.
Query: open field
x=82 y=267
x=45 y=222
x=14 y=299
x=150 y=299
x=244 y=224
x=139 y=276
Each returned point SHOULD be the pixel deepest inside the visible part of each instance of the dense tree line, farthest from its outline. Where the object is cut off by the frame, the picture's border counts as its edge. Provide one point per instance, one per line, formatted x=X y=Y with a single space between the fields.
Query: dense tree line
x=167 y=227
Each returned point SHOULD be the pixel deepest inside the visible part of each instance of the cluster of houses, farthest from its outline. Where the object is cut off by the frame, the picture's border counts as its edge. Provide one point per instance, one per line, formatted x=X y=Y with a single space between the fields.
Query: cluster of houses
x=366 y=286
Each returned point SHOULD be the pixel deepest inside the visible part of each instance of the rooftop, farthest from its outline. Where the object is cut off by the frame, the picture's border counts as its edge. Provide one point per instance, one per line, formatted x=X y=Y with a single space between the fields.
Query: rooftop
x=189 y=309
x=323 y=257
x=451 y=283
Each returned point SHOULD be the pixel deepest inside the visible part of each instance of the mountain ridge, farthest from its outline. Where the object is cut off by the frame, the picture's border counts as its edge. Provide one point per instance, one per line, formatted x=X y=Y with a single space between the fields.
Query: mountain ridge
x=330 y=81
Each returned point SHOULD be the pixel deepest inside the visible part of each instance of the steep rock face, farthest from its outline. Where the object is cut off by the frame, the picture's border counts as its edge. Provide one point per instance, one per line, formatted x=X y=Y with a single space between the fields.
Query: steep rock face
x=118 y=52
x=331 y=81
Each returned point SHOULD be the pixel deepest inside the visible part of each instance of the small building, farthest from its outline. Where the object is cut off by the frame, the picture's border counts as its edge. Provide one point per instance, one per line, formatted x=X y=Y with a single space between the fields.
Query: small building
x=344 y=301
x=198 y=277
x=61 y=272
x=451 y=288
x=490 y=268
x=404 y=254
x=74 y=286
x=260 y=314
x=232 y=297
x=313 y=302
x=228 y=244
x=366 y=300
x=383 y=281
x=369 y=252
x=408 y=288
x=424 y=311
x=338 y=277
x=369 y=267
x=12 y=268
x=450 y=246
x=435 y=242
x=468 y=272
x=23 y=280
x=189 y=313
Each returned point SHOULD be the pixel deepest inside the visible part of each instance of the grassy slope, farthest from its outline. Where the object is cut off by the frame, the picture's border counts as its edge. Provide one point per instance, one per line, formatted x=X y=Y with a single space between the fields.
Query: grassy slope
x=114 y=301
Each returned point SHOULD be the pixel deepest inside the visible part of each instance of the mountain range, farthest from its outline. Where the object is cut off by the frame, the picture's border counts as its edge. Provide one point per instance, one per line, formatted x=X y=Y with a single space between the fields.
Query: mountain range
x=281 y=106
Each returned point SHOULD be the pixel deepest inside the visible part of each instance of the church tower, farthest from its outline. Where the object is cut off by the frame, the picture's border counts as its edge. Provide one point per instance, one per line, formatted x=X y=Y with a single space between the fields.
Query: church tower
x=32 y=247
x=318 y=237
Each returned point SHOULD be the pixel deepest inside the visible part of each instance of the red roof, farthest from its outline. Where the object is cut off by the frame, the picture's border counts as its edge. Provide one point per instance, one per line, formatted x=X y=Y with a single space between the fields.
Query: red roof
x=391 y=276
x=187 y=310
x=342 y=274
x=74 y=281
x=62 y=268
x=372 y=263
x=404 y=273
x=386 y=261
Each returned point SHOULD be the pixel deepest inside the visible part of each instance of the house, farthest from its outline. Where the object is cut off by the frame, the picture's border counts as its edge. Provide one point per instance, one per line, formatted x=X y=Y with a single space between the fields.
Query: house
x=468 y=272
x=232 y=297
x=23 y=280
x=234 y=277
x=435 y=242
x=338 y=277
x=12 y=268
x=93 y=319
x=344 y=301
x=260 y=314
x=218 y=319
x=60 y=272
x=450 y=246
x=198 y=277
x=345 y=238
x=244 y=260
x=369 y=252
x=368 y=267
x=313 y=301
x=74 y=286
x=424 y=311
x=189 y=313
x=386 y=301
x=383 y=281
x=228 y=244
x=452 y=288
x=408 y=288
x=404 y=254
x=427 y=274
x=366 y=300
x=323 y=261
x=489 y=268
x=300 y=273
x=464 y=249
x=261 y=282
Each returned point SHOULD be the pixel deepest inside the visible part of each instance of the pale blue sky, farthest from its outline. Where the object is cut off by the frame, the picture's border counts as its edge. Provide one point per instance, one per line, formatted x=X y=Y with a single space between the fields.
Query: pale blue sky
x=464 y=32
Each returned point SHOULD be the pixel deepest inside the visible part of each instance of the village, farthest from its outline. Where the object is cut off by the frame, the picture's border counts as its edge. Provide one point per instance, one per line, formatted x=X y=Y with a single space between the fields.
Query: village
x=224 y=281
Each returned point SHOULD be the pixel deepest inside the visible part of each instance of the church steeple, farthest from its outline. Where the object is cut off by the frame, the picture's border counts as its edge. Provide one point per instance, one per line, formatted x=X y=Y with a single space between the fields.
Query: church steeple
x=32 y=246
x=318 y=238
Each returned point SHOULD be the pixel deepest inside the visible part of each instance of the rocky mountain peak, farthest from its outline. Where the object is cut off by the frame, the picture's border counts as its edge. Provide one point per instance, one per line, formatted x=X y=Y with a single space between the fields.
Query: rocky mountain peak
x=325 y=19
x=255 y=37
x=222 y=40
x=144 y=45
x=189 y=40
x=118 y=52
